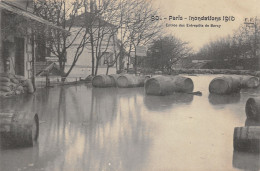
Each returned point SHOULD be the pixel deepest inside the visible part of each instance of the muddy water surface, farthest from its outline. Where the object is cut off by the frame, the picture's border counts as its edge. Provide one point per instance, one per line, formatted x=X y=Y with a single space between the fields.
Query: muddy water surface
x=84 y=128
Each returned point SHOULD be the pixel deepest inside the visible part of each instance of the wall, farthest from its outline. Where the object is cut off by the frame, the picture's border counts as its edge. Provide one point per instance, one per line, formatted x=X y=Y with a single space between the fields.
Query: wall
x=83 y=72
x=27 y=48
x=85 y=60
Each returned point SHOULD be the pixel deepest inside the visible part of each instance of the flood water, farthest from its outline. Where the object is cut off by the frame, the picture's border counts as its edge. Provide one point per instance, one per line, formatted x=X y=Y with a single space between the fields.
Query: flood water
x=111 y=129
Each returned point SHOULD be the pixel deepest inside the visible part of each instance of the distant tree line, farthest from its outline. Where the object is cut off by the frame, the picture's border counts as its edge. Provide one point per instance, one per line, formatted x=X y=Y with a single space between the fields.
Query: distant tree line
x=244 y=43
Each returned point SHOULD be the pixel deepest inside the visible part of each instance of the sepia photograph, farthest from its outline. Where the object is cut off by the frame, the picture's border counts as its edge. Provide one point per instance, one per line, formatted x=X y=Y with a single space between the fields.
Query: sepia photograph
x=129 y=85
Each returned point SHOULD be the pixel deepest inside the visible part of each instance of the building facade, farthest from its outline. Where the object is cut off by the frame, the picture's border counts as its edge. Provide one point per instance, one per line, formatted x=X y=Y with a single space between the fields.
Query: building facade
x=107 y=47
x=17 y=37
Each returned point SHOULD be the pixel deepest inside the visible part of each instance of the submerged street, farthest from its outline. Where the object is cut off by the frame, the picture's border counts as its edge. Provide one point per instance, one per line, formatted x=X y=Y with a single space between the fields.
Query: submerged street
x=84 y=128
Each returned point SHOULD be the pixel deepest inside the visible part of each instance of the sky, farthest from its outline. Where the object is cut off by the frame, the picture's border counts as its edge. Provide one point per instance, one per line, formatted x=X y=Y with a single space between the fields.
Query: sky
x=239 y=9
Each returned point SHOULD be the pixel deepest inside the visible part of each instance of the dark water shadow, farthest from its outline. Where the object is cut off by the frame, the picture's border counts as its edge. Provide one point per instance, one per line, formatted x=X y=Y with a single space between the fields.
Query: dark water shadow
x=83 y=129
x=216 y=99
x=246 y=161
x=158 y=103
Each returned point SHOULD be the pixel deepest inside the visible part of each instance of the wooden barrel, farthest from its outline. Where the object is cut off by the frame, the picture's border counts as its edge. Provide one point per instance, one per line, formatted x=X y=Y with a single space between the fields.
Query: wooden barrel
x=246 y=161
x=247 y=139
x=253 y=108
x=252 y=122
x=142 y=79
x=182 y=84
x=166 y=85
x=257 y=73
x=128 y=81
x=224 y=85
x=102 y=81
x=18 y=129
x=249 y=82
x=29 y=85
x=114 y=78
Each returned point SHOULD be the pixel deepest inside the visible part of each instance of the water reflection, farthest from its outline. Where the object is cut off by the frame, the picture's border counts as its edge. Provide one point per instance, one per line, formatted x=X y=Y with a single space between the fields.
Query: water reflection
x=19 y=159
x=109 y=145
x=130 y=92
x=216 y=99
x=246 y=161
x=158 y=103
x=24 y=102
x=84 y=128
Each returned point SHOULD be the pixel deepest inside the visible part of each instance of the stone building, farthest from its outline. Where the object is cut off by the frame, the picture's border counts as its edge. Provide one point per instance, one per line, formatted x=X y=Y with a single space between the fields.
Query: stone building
x=17 y=35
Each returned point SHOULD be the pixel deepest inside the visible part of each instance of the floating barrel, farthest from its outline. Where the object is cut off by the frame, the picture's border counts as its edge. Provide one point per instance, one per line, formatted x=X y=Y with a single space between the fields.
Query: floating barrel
x=128 y=81
x=18 y=129
x=114 y=78
x=249 y=82
x=102 y=81
x=224 y=85
x=253 y=108
x=247 y=139
x=252 y=122
x=166 y=85
x=29 y=85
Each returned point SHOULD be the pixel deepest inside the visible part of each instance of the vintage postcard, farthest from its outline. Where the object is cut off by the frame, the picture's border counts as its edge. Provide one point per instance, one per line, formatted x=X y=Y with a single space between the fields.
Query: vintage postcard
x=129 y=85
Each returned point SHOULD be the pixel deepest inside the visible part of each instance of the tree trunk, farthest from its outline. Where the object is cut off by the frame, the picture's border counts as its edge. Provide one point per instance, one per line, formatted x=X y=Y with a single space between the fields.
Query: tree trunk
x=96 y=69
x=107 y=70
x=92 y=51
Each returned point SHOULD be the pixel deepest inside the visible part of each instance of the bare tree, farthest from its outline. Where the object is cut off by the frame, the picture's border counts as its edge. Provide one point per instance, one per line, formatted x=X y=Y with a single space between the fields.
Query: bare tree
x=135 y=28
x=63 y=13
x=103 y=32
x=104 y=20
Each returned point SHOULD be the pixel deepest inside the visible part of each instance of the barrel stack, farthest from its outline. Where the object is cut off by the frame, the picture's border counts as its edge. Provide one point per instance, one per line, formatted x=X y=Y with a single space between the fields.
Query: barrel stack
x=232 y=84
x=248 y=138
x=116 y=80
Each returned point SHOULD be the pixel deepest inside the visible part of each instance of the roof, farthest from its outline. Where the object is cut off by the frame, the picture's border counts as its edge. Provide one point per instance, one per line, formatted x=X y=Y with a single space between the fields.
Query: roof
x=51 y=69
x=81 y=19
x=13 y=9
